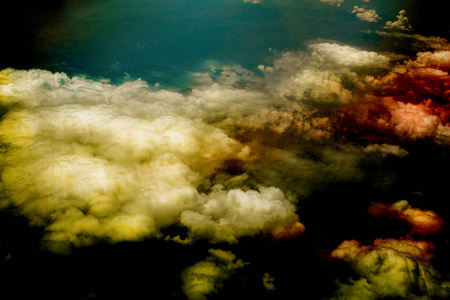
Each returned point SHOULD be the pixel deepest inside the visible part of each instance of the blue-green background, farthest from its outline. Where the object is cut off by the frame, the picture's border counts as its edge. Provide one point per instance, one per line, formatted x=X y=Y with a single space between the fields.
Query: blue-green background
x=163 y=41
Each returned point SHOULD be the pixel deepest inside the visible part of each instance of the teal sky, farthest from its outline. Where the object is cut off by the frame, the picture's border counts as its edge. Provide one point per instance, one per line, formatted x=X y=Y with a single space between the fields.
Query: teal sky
x=164 y=41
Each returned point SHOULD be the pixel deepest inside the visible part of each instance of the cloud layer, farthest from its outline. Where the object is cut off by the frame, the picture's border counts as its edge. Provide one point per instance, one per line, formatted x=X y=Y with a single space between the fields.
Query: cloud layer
x=89 y=160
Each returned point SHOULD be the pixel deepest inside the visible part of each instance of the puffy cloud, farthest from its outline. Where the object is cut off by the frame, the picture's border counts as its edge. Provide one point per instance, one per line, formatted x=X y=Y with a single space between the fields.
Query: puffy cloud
x=268 y=282
x=390 y=268
x=89 y=160
x=333 y=2
x=410 y=102
x=421 y=221
x=208 y=276
x=368 y=15
x=402 y=22
x=224 y=216
x=323 y=75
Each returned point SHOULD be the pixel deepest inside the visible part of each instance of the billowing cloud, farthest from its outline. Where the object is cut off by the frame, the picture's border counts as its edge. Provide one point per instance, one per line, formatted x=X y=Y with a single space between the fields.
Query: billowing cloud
x=368 y=15
x=225 y=216
x=390 y=268
x=208 y=276
x=89 y=160
x=421 y=221
x=333 y=2
x=410 y=102
x=401 y=23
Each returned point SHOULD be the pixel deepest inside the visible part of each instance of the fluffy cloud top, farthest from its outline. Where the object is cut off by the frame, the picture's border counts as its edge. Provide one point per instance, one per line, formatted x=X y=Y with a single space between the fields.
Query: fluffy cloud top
x=90 y=160
x=368 y=15
x=401 y=23
x=228 y=215
x=208 y=276
x=421 y=221
x=410 y=102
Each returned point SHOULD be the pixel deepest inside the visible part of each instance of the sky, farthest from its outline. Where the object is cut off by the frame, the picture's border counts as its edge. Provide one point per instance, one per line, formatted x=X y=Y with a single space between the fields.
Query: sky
x=219 y=149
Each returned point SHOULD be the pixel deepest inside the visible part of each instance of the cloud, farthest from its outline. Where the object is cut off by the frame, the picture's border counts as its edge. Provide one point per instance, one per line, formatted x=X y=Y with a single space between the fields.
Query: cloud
x=419 y=42
x=390 y=268
x=268 y=282
x=421 y=221
x=225 y=216
x=207 y=277
x=368 y=15
x=386 y=149
x=394 y=267
x=333 y=2
x=402 y=22
x=408 y=103
x=89 y=160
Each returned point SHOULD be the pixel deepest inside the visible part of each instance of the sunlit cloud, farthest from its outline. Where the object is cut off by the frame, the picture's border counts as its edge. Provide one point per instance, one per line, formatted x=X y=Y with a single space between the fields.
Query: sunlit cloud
x=421 y=221
x=368 y=15
x=402 y=22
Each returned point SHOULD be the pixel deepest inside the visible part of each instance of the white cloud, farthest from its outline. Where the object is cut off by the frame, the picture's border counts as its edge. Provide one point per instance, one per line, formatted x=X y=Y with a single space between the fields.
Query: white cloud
x=225 y=216
x=368 y=15
x=90 y=160
x=208 y=276
x=401 y=23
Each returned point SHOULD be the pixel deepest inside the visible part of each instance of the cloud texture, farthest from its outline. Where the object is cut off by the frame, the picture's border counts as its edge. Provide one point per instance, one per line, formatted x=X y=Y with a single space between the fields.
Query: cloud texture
x=208 y=276
x=368 y=15
x=390 y=268
x=401 y=23
x=89 y=160
x=394 y=267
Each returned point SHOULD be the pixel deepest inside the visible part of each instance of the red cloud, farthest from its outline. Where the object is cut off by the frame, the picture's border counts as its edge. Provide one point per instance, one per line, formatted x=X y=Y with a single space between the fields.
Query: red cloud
x=422 y=222
x=409 y=103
